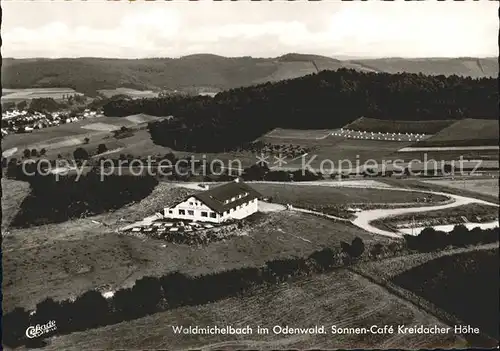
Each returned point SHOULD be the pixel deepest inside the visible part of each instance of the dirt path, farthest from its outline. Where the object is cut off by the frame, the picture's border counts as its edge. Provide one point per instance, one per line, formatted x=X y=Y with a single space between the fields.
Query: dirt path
x=321 y=214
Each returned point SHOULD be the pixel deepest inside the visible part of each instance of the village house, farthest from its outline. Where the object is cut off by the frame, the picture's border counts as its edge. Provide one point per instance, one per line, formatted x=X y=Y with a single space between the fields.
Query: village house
x=235 y=200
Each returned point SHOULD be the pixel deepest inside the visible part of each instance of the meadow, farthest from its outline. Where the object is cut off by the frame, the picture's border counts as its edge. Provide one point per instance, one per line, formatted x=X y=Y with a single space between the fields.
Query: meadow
x=63 y=139
x=17 y=95
x=80 y=255
x=465 y=285
x=85 y=253
x=340 y=298
x=320 y=196
x=466 y=132
x=299 y=133
x=446 y=155
x=132 y=93
x=474 y=213
x=13 y=194
x=422 y=184
x=481 y=186
x=343 y=153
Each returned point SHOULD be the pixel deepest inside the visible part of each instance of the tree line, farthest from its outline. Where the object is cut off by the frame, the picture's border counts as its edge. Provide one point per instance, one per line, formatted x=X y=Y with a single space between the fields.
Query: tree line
x=153 y=294
x=329 y=99
x=465 y=285
x=55 y=200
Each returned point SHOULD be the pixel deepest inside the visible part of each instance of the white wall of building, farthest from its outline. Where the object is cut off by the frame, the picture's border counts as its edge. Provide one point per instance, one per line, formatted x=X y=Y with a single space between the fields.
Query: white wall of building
x=243 y=211
x=193 y=209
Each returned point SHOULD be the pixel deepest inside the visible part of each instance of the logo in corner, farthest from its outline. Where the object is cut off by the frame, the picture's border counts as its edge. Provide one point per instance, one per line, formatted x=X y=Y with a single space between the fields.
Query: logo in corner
x=40 y=329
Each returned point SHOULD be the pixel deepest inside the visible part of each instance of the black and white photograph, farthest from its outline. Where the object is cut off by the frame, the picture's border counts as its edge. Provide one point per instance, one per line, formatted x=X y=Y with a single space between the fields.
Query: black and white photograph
x=250 y=175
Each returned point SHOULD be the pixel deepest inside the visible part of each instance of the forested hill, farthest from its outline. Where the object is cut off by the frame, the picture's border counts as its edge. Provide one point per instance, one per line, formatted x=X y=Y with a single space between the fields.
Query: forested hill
x=328 y=99
x=212 y=72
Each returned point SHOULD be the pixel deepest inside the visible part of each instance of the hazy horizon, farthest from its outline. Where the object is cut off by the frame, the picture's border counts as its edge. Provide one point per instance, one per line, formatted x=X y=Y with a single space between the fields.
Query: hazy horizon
x=340 y=58
x=342 y=30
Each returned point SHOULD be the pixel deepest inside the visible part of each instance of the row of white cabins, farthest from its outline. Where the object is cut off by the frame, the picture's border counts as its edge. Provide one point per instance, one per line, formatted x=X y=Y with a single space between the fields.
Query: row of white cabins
x=234 y=200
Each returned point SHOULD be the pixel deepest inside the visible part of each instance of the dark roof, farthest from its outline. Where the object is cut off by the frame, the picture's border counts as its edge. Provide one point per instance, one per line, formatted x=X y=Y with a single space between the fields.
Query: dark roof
x=214 y=198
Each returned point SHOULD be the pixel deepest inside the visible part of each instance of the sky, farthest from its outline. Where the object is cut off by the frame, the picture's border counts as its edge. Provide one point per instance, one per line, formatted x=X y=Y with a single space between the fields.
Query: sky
x=332 y=28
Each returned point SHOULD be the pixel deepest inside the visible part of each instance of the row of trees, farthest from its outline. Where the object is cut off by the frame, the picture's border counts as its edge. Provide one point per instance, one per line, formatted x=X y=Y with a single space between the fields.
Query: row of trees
x=329 y=99
x=27 y=153
x=151 y=294
x=54 y=200
x=430 y=239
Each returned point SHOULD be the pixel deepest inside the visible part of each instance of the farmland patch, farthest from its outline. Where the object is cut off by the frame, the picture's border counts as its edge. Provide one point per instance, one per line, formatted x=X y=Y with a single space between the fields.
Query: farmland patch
x=13 y=194
x=466 y=132
x=65 y=142
x=35 y=93
x=299 y=133
x=395 y=126
x=119 y=260
x=469 y=215
x=449 y=281
x=320 y=300
x=481 y=186
x=101 y=127
x=142 y=118
x=133 y=93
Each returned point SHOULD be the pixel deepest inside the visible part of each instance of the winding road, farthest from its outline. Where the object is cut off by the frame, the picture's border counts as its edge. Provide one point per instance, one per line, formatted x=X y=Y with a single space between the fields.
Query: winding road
x=364 y=218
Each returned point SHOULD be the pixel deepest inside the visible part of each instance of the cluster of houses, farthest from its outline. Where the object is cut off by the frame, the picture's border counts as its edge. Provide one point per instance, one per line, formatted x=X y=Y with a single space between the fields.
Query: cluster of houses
x=356 y=134
x=17 y=121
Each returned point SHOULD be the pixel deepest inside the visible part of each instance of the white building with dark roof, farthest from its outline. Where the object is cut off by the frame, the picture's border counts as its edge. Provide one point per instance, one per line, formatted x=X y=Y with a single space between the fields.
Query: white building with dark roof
x=235 y=200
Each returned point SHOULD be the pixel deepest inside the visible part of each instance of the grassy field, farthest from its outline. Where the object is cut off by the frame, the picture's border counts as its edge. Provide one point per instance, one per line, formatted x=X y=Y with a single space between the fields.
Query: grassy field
x=385 y=270
x=472 y=212
x=318 y=196
x=60 y=132
x=331 y=149
x=446 y=155
x=465 y=285
x=472 y=67
x=423 y=185
x=133 y=93
x=298 y=133
x=393 y=126
x=65 y=138
x=481 y=186
x=87 y=256
x=17 y=95
x=13 y=193
x=336 y=149
x=77 y=255
x=466 y=132
x=340 y=298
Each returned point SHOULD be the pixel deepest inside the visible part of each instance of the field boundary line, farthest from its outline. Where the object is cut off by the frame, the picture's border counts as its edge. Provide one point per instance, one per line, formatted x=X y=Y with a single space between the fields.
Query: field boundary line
x=420 y=302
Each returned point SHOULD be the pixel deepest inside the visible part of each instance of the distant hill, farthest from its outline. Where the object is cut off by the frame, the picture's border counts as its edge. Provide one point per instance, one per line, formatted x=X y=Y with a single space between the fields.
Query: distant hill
x=466 y=67
x=212 y=72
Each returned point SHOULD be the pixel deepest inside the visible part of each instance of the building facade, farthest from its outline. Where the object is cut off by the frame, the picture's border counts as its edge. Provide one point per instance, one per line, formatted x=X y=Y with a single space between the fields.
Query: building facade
x=235 y=200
